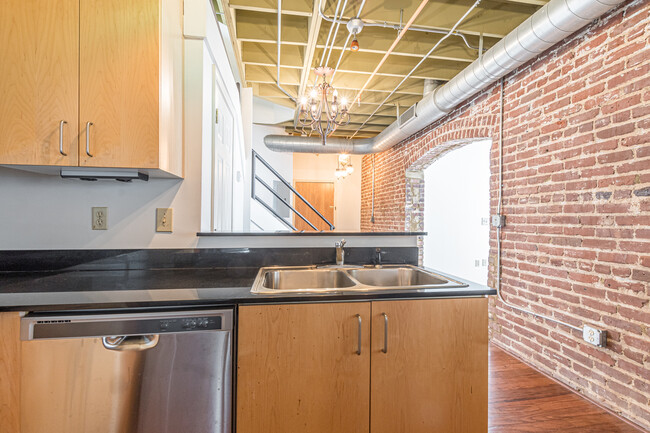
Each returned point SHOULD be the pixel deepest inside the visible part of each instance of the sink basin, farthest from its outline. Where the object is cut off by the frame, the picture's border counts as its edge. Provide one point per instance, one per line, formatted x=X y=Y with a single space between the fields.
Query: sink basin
x=306 y=280
x=396 y=277
x=309 y=279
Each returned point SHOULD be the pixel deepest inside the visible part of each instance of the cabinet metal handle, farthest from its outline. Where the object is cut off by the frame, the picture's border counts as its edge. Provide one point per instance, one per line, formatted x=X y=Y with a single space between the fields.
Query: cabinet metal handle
x=61 y=123
x=358 y=316
x=385 y=349
x=88 y=125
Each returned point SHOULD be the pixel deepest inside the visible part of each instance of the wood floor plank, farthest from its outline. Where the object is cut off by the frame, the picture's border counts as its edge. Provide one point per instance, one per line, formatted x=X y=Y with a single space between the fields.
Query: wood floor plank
x=522 y=400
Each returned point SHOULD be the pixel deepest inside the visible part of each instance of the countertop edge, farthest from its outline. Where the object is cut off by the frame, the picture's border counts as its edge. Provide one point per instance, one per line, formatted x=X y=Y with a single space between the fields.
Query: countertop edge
x=179 y=298
x=307 y=234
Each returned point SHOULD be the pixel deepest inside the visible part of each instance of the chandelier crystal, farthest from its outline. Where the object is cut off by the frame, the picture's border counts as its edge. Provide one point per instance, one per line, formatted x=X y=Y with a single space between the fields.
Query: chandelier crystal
x=322 y=110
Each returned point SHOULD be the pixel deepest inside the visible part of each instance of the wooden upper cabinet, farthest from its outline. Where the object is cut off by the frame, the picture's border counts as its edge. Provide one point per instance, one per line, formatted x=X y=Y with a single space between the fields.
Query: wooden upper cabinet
x=39 y=86
x=119 y=83
x=298 y=369
x=113 y=68
x=430 y=374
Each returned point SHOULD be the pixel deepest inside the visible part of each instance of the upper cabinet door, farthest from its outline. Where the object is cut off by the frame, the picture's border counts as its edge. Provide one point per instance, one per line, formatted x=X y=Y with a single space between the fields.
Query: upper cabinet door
x=429 y=366
x=119 y=83
x=303 y=368
x=39 y=60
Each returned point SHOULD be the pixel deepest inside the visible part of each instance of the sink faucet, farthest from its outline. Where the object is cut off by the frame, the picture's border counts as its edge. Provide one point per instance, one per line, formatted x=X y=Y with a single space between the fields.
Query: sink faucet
x=378 y=260
x=340 y=253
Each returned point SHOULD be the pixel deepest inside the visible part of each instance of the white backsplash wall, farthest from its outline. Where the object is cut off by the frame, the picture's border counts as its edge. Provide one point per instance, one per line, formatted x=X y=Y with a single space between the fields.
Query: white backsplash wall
x=47 y=212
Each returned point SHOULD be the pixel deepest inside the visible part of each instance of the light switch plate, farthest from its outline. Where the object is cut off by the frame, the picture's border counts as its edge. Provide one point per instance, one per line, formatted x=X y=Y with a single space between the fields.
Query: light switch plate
x=164 y=219
x=99 y=218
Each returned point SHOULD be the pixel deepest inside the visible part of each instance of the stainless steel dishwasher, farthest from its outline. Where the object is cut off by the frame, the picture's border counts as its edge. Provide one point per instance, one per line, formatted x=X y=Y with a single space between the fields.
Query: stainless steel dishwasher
x=168 y=372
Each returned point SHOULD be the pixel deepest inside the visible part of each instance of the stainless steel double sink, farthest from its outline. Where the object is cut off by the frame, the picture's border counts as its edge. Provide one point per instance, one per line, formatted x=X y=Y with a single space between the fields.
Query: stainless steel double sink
x=327 y=279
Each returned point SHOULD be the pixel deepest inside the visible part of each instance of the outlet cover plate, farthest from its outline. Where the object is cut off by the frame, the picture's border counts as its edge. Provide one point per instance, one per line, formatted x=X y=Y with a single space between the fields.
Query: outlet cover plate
x=99 y=218
x=164 y=219
x=595 y=336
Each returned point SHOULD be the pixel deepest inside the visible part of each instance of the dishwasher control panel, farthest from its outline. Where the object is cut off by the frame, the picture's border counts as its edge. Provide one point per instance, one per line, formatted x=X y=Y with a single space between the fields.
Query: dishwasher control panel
x=208 y=323
x=36 y=326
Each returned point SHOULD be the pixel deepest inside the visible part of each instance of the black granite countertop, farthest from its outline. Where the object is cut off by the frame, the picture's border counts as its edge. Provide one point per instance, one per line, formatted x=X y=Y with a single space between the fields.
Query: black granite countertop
x=171 y=288
x=117 y=279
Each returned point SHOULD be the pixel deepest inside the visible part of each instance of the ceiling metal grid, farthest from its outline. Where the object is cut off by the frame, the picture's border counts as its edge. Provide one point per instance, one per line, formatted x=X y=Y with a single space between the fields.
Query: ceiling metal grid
x=304 y=34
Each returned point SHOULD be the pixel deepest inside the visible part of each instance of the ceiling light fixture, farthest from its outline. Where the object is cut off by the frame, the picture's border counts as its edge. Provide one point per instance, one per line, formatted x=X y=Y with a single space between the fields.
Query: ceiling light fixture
x=323 y=111
x=355 y=25
x=344 y=166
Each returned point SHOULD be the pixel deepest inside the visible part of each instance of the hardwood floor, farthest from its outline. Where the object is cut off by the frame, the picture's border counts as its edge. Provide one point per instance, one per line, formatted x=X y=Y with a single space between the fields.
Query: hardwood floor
x=524 y=400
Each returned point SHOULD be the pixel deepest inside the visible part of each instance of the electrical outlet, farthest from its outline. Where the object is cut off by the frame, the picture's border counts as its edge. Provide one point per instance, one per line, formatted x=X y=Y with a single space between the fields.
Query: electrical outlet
x=595 y=336
x=164 y=219
x=100 y=218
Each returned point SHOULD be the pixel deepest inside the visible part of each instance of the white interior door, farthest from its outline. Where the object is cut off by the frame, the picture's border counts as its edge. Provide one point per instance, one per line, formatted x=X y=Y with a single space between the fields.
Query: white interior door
x=223 y=144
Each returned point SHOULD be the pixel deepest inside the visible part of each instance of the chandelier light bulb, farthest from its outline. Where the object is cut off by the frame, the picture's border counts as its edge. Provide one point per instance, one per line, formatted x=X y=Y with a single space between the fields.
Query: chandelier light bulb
x=313 y=94
x=344 y=102
x=349 y=169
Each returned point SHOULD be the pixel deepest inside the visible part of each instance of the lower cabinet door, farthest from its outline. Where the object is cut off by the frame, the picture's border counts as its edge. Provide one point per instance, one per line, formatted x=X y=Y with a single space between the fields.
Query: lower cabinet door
x=429 y=371
x=303 y=368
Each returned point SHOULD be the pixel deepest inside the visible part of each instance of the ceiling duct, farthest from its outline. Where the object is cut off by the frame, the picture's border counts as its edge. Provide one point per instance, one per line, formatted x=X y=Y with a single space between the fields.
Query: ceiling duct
x=548 y=26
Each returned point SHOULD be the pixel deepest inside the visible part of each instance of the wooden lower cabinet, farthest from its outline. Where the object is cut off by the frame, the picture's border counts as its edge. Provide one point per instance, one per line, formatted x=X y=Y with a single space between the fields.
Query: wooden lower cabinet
x=423 y=370
x=433 y=376
x=10 y=360
x=299 y=371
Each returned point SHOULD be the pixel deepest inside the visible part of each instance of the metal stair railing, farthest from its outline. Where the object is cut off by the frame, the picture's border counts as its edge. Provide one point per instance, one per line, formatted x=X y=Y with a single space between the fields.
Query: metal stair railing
x=256 y=178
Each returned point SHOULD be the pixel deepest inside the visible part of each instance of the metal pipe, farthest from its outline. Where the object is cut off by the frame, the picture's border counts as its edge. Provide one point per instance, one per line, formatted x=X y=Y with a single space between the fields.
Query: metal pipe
x=345 y=45
x=329 y=34
x=549 y=25
x=336 y=32
x=392 y=47
x=424 y=29
x=499 y=205
x=426 y=56
x=398 y=27
x=372 y=204
x=279 y=43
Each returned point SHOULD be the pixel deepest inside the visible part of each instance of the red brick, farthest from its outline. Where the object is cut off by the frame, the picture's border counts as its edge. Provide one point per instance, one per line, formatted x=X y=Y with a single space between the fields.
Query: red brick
x=576 y=148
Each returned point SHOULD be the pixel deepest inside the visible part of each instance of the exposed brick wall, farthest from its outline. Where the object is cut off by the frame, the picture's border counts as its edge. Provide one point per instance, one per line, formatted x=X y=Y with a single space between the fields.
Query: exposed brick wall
x=577 y=200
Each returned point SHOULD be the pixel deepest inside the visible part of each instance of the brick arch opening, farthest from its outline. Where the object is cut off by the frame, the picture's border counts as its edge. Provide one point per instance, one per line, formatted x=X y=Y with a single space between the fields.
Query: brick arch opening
x=414 y=206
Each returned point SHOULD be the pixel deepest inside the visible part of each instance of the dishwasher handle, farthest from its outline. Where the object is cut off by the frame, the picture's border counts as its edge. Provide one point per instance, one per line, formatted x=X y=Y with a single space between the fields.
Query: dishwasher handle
x=131 y=342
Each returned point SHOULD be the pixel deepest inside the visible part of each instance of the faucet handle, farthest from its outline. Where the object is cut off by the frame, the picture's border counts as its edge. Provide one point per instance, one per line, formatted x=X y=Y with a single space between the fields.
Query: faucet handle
x=342 y=243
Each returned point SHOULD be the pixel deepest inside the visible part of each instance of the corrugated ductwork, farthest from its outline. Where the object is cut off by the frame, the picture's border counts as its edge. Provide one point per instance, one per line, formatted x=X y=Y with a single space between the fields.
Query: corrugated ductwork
x=548 y=26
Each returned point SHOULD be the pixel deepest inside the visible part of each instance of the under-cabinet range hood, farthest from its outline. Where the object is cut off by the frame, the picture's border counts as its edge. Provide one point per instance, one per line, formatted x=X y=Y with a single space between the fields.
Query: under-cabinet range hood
x=121 y=175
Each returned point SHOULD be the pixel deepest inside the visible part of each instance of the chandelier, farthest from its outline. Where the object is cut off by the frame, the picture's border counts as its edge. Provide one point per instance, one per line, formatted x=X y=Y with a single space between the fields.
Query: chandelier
x=322 y=110
x=344 y=166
